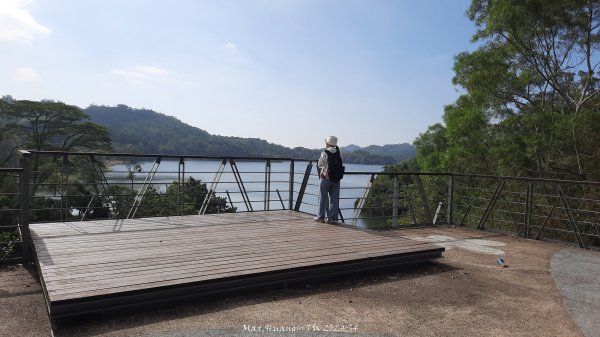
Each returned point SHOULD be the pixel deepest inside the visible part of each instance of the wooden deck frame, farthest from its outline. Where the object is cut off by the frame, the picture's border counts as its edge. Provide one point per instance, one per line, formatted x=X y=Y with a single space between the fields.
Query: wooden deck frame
x=104 y=265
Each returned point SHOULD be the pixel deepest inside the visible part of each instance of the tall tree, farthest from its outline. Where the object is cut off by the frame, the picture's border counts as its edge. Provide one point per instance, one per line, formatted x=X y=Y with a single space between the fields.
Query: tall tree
x=8 y=139
x=531 y=102
x=49 y=125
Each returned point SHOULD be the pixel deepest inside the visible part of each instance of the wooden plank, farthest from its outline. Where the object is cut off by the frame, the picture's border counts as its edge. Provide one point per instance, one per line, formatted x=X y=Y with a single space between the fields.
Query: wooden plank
x=174 y=267
x=211 y=252
x=72 y=253
x=82 y=262
x=187 y=241
x=97 y=289
x=228 y=259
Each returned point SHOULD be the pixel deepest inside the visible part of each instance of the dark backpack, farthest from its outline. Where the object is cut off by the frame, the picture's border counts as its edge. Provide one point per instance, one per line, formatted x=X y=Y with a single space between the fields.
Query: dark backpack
x=336 y=167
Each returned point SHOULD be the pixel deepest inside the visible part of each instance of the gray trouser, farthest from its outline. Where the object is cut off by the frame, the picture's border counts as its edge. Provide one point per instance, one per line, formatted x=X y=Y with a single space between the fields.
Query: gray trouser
x=329 y=200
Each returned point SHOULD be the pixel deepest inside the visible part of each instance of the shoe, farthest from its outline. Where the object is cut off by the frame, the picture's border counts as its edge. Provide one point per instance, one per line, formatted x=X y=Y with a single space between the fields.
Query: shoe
x=332 y=222
x=317 y=219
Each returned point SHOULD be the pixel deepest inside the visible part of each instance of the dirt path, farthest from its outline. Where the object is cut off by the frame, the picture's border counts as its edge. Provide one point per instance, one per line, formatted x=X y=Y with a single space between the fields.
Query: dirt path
x=466 y=293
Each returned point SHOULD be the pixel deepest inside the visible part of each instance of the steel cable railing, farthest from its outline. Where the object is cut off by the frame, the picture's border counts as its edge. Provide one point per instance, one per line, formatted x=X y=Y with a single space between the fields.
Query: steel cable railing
x=62 y=186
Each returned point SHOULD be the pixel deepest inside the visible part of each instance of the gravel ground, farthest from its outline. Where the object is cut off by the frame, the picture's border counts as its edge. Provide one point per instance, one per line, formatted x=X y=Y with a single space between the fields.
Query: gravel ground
x=466 y=293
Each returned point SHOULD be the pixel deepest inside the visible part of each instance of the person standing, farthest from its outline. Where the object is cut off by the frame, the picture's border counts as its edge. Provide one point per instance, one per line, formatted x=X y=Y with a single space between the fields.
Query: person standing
x=329 y=166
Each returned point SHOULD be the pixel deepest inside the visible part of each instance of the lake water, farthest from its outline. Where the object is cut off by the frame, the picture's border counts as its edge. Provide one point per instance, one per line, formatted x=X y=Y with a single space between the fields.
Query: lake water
x=253 y=178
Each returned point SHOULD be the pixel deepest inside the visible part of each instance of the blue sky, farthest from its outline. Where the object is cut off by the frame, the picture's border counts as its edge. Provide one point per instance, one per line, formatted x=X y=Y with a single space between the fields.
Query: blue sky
x=290 y=71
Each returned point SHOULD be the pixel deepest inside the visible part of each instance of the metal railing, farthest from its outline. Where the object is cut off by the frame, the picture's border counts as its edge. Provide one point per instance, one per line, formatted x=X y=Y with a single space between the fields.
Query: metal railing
x=82 y=186
x=11 y=213
x=63 y=186
x=534 y=208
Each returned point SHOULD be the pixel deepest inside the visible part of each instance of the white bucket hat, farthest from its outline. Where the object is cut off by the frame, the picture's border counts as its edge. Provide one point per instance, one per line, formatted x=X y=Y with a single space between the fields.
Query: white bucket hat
x=331 y=140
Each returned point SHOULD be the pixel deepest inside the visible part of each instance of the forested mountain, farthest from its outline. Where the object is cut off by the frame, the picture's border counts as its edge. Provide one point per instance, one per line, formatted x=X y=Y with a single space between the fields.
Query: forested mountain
x=147 y=131
x=398 y=152
x=350 y=148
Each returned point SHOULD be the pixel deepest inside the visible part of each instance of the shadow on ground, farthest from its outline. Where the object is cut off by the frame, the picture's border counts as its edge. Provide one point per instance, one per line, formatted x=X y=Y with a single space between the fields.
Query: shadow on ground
x=163 y=312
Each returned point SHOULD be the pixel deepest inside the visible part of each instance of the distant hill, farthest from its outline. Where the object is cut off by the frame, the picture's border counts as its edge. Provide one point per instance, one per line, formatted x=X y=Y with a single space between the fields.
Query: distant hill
x=391 y=153
x=350 y=148
x=147 y=131
x=399 y=152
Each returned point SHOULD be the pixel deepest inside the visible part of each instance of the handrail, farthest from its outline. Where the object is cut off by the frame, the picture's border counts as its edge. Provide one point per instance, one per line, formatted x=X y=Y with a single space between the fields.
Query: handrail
x=512 y=204
x=173 y=156
x=11 y=169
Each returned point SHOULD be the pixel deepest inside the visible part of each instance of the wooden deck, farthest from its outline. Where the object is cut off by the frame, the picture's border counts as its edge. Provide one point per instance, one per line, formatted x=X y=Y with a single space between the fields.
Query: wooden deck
x=101 y=265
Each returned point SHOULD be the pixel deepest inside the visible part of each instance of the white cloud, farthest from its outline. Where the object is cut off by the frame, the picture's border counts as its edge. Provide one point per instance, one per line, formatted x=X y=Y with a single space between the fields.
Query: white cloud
x=17 y=24
x=150 y=70
x=140 y=73
x=231 y=46
x=148 y=74
x=235 y=56
x=28 y=75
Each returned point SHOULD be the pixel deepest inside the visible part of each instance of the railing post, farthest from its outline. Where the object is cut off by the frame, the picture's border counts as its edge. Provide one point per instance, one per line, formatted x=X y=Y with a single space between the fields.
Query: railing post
x=491 y=204
x=450 y=214
x=362 y=200
x=291 y=188
x=65 y=191
x=180 y=185
x=395 y=203
x=424 y=200
x=267 y=201
x=570 y=216
x=303 y=186
x=528 y=202
x=24 y=187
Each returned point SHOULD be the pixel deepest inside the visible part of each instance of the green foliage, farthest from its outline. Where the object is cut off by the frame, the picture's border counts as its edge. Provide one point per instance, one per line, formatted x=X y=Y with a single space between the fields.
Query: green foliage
x=8 y=136
x=379 y=202
x=9 y=200
x=364 y=157
x=146 y=131
x=49 y=125
x=531 y=102
x=7 y=244
x=193 y=195
x=375 y=154
x=432 y=149
x=9 y=214
x=185 y=199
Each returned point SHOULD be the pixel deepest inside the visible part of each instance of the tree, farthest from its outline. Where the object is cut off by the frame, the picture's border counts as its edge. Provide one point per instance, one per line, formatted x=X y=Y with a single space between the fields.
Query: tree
x=49 y=125
x=531 y=102
x=133 y=167
x=552 y=45
x=8 y=137
x=432 y=147
x=192 y=196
